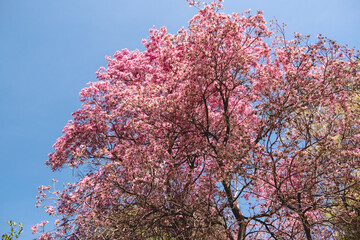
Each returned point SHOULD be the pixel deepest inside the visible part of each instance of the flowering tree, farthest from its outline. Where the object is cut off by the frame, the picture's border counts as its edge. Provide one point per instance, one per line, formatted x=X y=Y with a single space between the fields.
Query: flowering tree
x=212 y=133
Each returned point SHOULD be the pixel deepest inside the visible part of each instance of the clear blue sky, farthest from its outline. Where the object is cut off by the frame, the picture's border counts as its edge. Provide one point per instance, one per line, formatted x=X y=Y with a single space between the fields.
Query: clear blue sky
x=50 y=49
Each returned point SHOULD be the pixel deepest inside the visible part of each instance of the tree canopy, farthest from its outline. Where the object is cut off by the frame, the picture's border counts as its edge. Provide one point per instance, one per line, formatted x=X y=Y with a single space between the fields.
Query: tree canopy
x=224 y=130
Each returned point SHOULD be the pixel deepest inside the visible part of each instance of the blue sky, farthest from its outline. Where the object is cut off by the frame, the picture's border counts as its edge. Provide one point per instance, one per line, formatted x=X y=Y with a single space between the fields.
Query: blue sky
x=50 y=49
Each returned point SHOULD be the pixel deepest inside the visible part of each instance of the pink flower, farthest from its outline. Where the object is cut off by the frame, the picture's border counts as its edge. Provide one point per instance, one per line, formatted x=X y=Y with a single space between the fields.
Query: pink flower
x=43 y=223
x=50 y=210
x=34 y=229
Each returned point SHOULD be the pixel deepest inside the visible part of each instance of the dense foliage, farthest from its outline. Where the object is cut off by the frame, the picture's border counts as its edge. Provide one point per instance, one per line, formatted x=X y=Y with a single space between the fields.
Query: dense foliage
x=224 y=130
